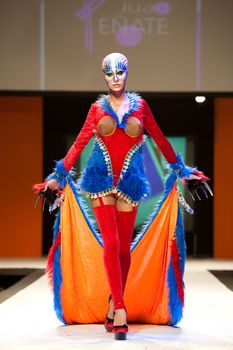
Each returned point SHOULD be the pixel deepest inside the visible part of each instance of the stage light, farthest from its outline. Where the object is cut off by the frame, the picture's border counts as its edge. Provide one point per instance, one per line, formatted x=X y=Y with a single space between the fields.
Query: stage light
x=200 y=99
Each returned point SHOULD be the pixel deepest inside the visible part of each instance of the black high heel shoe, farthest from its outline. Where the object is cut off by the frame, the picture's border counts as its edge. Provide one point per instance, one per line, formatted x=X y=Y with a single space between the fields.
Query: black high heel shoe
x=108 y=322
x=120 y=331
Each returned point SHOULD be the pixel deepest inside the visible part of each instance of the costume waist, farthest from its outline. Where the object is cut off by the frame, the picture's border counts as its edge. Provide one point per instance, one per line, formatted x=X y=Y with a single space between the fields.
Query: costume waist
x=127 y=158
x=117 y=146
x=98 y=178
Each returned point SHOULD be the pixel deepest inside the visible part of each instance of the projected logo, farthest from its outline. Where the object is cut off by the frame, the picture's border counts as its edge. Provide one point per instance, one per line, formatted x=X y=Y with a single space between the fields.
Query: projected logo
x=129 y=25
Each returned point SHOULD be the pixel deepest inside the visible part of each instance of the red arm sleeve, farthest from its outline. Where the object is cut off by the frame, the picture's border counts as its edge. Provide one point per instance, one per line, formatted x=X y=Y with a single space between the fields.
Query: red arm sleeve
x=155 y=132
x=82 y=139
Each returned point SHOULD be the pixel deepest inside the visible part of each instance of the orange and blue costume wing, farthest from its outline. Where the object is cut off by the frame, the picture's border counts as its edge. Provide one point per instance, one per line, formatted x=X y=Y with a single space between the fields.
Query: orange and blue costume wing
x=155 y=288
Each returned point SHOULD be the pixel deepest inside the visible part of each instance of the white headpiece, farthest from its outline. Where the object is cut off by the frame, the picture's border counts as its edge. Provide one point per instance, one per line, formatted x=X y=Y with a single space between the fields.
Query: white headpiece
x=115 y=62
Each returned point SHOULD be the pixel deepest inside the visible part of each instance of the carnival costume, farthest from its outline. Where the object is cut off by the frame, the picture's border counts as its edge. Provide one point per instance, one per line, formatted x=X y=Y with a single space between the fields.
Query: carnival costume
x=78 y=265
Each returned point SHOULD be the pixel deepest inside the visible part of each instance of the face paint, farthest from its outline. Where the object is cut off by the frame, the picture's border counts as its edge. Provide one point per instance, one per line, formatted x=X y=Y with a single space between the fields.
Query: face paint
x=115 y=69
x=119 y=75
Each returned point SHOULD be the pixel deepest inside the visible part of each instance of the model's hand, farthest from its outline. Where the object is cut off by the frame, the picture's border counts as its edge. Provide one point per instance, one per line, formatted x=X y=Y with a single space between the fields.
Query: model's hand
x=52 y=184
x=197 y=184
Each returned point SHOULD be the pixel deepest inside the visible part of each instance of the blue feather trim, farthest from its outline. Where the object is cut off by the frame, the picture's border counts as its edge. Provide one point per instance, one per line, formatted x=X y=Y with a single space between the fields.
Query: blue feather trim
x=168 y=187
x=57 y=282
x=95 y=176
x=57 y=277
x=134 y=182
x=181 y=169
x=60 y=174
x=134 y=105
x=134 y=186
x=175 y=304
x=181 y=240
x=56 y=226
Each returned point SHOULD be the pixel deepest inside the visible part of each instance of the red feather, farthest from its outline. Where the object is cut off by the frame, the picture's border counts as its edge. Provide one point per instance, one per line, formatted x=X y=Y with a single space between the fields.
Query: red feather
x=39 y=187
x=49 y=266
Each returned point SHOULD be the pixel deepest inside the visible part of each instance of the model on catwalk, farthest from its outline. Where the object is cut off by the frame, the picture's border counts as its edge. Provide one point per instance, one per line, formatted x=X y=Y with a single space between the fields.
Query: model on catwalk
x=114 y=178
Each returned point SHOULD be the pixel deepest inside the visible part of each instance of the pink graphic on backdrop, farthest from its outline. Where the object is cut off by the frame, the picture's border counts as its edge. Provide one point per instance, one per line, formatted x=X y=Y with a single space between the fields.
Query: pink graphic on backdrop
x=129 y=35
x=198 y=44
x=85 y=14
x=162 y=8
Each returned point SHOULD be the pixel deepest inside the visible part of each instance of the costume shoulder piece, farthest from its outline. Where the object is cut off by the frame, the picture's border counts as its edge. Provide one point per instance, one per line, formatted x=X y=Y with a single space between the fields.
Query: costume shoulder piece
x=135 y=103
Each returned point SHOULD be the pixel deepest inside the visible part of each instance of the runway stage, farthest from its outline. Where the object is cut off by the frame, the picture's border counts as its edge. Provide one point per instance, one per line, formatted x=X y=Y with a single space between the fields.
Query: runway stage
x=27 y=319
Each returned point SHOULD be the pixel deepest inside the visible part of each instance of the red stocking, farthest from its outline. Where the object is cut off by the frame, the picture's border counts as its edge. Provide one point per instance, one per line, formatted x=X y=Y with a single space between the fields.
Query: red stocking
x=125 y=222
x=106 y=219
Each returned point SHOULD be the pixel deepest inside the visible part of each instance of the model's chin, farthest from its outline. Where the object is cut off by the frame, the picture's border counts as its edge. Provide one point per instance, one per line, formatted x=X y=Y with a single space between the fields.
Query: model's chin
x=116 y=88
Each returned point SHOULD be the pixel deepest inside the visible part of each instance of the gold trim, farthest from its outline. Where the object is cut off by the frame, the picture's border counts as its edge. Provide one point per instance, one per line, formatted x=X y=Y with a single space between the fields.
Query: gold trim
x=107 y=116
x=104 y=193
x=141 y=131
x=183 y=201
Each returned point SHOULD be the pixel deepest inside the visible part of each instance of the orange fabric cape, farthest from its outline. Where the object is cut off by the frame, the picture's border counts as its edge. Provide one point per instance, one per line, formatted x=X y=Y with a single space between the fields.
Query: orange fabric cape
x=154 y=289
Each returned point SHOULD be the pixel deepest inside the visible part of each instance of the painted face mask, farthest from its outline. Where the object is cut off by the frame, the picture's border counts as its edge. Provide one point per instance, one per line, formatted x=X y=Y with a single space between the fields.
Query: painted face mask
x=115 y=67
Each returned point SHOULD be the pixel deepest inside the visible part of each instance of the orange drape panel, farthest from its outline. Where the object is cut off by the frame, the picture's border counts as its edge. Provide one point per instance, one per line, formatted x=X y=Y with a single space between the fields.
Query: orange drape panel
x=85 y=290
x=223 y=170
x=21 y=167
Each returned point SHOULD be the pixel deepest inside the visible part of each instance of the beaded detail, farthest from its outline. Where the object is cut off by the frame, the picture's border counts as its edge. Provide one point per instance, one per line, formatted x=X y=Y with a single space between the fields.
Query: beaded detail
x=99 y=194
x=122 y=195
x=113 y=190
x=183 y=201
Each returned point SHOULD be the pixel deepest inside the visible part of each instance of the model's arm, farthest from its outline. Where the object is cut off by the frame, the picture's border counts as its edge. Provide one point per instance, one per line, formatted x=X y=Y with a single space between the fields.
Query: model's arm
x=175 y=160
x=157 y=135
x=82 y=139
x=195 y=179
x=64 y=165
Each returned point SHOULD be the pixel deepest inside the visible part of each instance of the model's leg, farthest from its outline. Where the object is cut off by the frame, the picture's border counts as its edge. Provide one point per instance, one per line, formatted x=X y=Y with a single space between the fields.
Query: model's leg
x=126 y=216
x=105 y=213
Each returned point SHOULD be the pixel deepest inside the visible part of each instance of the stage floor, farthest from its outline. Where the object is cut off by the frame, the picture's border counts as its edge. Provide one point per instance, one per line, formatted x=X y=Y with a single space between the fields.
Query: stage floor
x=27 y=320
